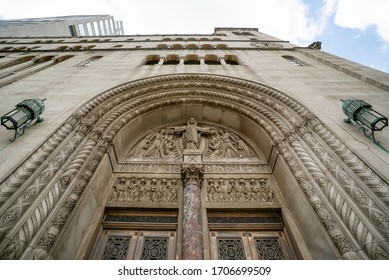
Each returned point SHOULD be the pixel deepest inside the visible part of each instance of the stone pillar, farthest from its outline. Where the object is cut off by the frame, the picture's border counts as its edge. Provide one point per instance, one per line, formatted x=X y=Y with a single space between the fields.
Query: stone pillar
x=192 y=176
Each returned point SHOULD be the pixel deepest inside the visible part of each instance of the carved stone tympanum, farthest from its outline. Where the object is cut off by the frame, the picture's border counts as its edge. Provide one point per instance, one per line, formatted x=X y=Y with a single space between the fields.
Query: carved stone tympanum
x=170 y=142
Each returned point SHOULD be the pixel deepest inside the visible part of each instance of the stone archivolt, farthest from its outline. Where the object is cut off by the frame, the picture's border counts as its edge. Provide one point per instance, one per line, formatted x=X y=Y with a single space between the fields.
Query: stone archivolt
x=27 y=233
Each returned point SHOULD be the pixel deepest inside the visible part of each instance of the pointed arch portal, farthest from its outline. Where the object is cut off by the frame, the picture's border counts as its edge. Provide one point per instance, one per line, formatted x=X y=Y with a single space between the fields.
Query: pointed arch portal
x=262 y=172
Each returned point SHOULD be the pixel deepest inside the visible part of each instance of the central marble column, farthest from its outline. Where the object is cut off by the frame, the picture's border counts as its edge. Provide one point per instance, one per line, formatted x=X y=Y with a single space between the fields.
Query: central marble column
x=192 y=176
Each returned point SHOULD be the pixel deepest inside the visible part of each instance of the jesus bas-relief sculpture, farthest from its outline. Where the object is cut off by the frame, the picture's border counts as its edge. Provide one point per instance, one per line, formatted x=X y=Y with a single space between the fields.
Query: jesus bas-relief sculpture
x=169 y=142
x=192 y=133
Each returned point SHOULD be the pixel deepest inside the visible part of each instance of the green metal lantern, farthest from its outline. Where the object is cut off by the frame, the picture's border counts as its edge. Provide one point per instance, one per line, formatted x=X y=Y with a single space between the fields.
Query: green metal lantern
x=23 y=115
x=363 y=114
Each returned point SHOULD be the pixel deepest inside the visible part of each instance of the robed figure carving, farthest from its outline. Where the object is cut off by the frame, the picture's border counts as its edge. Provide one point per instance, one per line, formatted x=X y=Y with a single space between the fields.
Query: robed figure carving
x=192 y=133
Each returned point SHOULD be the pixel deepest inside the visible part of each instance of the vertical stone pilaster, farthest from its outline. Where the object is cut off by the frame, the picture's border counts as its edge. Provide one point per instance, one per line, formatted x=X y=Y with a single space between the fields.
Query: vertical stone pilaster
x=192 y=176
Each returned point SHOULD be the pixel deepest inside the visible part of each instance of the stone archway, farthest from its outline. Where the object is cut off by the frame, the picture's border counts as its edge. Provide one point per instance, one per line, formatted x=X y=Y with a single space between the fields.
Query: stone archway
x=40 y=197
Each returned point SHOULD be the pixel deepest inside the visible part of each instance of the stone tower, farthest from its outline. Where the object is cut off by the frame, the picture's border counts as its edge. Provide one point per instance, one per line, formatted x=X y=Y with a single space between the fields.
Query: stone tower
x=229 y=145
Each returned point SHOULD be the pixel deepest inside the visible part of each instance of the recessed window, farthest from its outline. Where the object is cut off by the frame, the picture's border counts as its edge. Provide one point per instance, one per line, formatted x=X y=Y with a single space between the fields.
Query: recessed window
x=77 y=48
x=166 y=39
x=62 y=58
x=294 y=60
x=43 y=59
x=118 y=46
x=192 y=59
x=221 y=46
x=191 y=46
x=162 y=46
x=211 y=60
x=172 y=60
x=206 y=46
x=90 y=47
x=231 y=60
x=152 y=59
x=176 y=46
x=62 y=48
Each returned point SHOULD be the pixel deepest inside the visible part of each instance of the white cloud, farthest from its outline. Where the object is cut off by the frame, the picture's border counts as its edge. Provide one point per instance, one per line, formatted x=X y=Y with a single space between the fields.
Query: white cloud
x=362 y=14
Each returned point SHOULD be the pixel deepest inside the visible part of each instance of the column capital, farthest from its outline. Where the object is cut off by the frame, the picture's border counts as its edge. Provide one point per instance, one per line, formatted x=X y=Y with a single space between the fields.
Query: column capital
x=192 y=174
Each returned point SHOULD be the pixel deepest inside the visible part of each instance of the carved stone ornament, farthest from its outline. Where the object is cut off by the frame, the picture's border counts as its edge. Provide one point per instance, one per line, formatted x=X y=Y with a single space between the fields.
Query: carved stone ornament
x=192 y=174
x=145 y=189
x=170 y=142
x=239 y=190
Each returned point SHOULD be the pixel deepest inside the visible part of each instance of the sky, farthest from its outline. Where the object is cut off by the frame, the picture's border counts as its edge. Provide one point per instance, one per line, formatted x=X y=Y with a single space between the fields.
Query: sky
x=354 y=29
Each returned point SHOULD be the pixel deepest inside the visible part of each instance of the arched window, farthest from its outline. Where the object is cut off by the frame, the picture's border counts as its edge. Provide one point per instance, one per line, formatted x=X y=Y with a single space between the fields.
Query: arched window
x=231 y=60
x=172 y=59
x=162 y=46
x=43 y=59
x=211 y=59
x=62 y=48
x=192 y=59
x=191 y=46
x=221 y=46
x=90 y=47
x=206 y=46
x=62 y=58
x=176 y=46
x=76 y=48
x=152 y=59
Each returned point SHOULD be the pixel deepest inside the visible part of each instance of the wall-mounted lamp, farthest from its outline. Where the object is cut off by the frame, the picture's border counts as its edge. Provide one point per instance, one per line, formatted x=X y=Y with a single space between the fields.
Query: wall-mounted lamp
x=23 y=115
x=363 y=114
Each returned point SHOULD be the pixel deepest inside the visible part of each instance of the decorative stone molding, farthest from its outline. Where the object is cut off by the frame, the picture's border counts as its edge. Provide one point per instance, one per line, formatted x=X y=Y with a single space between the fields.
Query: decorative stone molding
x=346 y=248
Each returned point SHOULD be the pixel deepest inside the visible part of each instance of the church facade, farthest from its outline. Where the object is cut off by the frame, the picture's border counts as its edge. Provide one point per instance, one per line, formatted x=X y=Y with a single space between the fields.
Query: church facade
x=230 y=146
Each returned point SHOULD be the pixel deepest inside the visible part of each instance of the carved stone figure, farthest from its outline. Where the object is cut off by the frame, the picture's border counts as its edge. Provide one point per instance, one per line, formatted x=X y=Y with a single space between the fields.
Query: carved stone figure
x=227 y=144
x=242 y=190
x=145 y=190
x=157 y=144
x=192 y=133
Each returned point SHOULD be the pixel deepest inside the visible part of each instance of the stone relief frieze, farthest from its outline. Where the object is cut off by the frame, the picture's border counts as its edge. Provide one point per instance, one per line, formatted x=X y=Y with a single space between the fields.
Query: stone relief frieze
x=145 y=189
x=239 y=190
